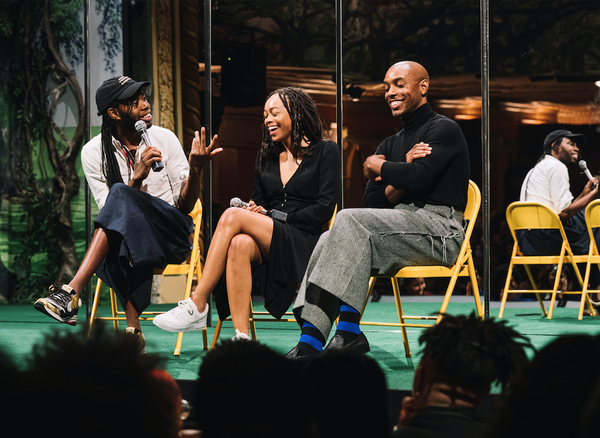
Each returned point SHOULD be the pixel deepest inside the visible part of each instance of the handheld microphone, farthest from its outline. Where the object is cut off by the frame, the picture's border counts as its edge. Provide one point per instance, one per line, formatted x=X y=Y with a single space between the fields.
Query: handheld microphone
x=237 y=202
x=275 y=214
x=140 y=127
x=584 y=169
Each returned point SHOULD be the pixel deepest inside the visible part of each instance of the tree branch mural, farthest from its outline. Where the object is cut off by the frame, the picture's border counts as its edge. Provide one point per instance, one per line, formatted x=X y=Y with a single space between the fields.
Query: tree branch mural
x=40 y=43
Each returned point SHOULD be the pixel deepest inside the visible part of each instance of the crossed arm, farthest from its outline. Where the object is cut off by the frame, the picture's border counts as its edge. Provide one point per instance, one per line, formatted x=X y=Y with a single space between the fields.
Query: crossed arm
x=372 y=168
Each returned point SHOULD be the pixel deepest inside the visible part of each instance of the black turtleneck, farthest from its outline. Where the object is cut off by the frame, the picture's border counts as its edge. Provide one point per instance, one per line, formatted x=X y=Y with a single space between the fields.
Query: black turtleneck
x=440 y=178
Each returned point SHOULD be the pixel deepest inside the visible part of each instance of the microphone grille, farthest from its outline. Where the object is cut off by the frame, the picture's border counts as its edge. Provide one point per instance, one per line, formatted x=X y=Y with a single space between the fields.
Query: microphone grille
x=140 y=126
x=235 y=202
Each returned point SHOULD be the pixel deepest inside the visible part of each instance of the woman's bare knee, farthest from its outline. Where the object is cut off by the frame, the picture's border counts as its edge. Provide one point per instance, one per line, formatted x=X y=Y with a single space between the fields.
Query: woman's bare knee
x=242 y=246
x=232 y=219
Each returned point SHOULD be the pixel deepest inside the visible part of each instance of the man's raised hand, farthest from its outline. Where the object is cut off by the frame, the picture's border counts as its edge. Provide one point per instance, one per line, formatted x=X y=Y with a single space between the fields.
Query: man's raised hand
x=200 y=154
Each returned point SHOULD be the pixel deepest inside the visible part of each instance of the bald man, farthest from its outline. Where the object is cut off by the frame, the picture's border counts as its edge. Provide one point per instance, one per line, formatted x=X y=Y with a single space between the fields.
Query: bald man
x=414 y=199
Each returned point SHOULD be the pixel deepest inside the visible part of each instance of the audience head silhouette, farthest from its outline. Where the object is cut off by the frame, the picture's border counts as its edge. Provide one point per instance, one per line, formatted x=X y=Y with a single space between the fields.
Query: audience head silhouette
x=97 y=387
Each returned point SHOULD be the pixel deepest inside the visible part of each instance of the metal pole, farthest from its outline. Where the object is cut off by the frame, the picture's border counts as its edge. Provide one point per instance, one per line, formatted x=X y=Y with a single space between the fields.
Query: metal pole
x=87 y=135
x=207 y=201
x=208 y=116
x=339 y=93
x=485 y=144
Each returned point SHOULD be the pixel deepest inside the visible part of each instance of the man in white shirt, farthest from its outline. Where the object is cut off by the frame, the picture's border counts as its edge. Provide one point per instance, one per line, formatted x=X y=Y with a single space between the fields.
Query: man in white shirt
x=143 y=221
x=548 y=183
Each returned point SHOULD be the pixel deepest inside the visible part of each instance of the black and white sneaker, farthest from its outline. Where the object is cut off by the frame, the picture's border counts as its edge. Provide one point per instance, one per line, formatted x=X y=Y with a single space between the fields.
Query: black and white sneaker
x=140 y=338
x=61 y=304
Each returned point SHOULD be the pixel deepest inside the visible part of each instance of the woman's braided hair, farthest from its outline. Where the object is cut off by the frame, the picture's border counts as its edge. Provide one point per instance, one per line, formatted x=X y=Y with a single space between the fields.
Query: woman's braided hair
x=307 y=124
x=472 y=353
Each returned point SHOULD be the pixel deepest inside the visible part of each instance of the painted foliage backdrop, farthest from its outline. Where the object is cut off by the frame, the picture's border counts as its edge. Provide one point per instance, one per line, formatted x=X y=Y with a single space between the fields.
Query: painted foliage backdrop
x=42 y=111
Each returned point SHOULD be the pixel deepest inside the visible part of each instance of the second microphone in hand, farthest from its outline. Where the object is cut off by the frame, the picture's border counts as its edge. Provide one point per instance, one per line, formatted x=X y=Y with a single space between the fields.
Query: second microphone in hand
x=275 y=214
x=140 y=127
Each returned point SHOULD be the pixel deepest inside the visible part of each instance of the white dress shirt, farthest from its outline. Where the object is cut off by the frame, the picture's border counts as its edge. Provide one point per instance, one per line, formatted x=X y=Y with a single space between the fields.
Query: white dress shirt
x=548 y=183
x=165 y=184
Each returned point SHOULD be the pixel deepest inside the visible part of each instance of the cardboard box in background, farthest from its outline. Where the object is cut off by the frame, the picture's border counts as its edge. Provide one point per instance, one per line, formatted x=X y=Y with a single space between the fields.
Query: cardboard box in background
x=168 y=288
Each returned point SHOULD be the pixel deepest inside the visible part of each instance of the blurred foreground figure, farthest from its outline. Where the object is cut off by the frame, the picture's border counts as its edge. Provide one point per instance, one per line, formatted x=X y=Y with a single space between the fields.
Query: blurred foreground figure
x=463 y=357
x=97 y=388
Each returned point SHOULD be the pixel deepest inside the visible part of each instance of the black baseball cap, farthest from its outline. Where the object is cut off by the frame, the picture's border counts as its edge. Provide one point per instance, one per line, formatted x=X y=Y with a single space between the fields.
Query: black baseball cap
x=560 y=133
x=117 y=88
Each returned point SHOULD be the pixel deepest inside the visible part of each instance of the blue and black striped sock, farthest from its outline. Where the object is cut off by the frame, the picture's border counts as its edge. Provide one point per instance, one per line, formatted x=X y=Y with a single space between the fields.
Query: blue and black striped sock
x=348 y=326
x=311 y=340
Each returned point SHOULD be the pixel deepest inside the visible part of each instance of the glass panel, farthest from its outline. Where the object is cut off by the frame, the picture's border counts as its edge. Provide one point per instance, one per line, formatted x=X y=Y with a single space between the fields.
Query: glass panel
x=259 y=46
x=544 y=65
x=443 y=36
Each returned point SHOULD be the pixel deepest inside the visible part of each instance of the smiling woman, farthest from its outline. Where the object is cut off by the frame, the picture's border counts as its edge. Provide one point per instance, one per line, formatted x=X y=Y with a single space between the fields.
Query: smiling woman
x=296 y=172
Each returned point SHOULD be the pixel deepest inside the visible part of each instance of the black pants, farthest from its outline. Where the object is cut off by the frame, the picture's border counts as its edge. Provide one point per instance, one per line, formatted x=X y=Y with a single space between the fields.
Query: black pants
x=548 y=242
x=144 y=233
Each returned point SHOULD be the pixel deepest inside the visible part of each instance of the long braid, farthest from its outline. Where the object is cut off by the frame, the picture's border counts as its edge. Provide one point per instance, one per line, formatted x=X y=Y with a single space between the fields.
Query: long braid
x=474 y=353
x=307 y=124
x=110 y=166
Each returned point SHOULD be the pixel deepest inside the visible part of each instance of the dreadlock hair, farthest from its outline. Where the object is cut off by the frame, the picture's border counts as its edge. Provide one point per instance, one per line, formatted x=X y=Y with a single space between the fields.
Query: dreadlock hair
x=110 y=166
x=472 y=353
x=548 y=151
x=307 y=124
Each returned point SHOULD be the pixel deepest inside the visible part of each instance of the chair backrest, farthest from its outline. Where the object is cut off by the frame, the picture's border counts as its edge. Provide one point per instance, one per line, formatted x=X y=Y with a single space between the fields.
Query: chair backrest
x=473 y=202
x=522 y=215
x=472 y=208
x=592 y=218
x=592 y=214
x=330 y=223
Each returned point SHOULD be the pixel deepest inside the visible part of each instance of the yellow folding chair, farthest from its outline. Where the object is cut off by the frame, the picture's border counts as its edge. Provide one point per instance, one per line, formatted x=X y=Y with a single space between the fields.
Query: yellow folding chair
x=537 y=216
x=261 y=315
x=190 y=268
x=592 y=221
x=463 y=267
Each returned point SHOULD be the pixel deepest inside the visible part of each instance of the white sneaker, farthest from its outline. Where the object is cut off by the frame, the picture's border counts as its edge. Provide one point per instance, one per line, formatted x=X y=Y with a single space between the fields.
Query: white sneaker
x=239 y=335
x=183 y=318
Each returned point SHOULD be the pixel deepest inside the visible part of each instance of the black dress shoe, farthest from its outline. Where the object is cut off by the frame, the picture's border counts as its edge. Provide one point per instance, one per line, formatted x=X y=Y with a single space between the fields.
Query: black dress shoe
x=296 y=353
x=360 y=344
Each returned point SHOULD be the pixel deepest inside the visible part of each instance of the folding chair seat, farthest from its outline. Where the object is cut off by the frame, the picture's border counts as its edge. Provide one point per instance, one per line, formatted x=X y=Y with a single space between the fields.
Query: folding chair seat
x=592 y=221
x=189 y=268
x=537 y=216
x=261 y=315
x=463 y=267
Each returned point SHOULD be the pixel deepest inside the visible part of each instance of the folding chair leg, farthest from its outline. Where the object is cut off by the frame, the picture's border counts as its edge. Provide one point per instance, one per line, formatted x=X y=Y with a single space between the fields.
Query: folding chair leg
x=95 y=306
x=178 y=344
x=251 y=321
x=113 y=308
x=473 y=278
x=447 y=297
x=217 y=333
x=555 y=289
x=506 y=288
x=537 y=295
x=371 y=285
x=396 y=289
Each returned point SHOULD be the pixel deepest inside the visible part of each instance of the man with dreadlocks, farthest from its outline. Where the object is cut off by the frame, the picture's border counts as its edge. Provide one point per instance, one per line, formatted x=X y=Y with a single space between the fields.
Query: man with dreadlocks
x=462 y=358
x=143 y=221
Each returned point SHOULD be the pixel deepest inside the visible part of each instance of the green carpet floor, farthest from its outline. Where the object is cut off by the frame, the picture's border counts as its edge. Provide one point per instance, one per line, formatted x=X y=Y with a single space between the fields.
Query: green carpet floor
x=21 y=328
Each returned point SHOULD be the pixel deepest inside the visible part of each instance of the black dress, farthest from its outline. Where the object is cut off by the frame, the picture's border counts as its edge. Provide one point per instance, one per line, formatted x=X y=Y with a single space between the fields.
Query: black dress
x=309 y=198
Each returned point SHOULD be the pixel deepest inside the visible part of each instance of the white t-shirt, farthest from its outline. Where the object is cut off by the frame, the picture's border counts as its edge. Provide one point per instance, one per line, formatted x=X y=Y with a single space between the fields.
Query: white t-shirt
x=165 y=184
x=548 y=183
